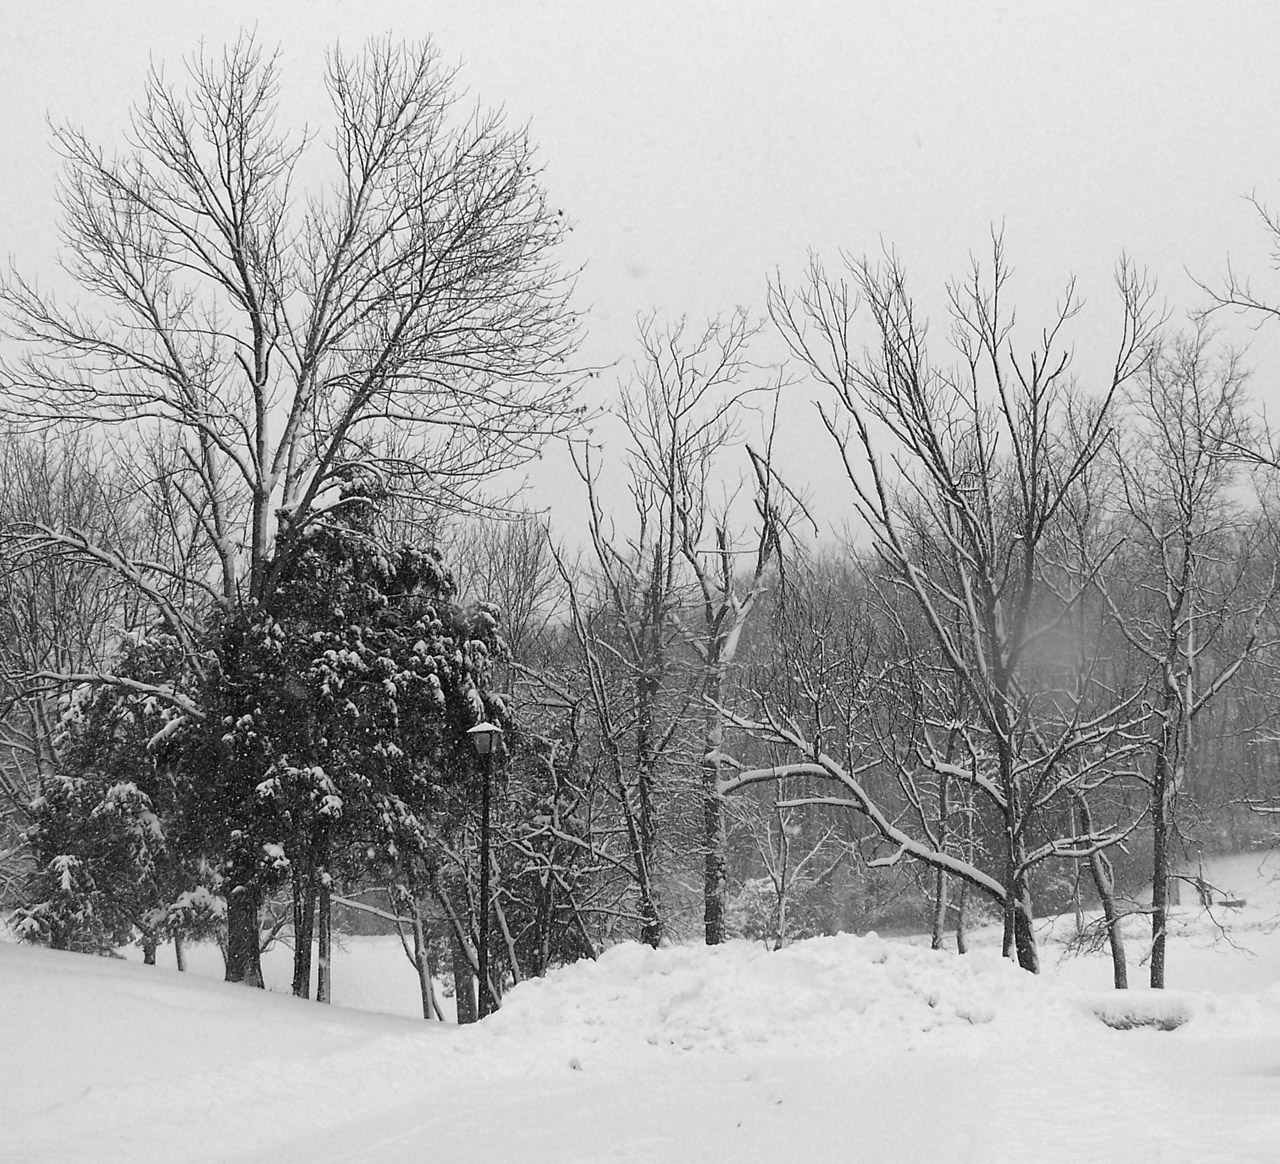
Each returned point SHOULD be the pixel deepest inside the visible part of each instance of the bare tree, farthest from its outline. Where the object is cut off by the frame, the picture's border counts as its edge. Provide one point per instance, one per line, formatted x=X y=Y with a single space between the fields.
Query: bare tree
x=1087 y=545
x=1194 y=596
x=55 y=613
x=508 y=562
x=269 y=339
x=683 y=411
x=959 y=511
x=680 y=585
x=624 y=629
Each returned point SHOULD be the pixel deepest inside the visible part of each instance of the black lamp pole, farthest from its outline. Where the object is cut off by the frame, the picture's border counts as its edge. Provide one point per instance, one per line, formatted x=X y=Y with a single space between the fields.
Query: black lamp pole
x=485 y=738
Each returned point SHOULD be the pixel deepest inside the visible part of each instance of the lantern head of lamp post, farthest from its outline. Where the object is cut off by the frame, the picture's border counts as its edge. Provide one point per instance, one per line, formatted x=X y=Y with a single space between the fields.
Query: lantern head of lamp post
x=484 y=737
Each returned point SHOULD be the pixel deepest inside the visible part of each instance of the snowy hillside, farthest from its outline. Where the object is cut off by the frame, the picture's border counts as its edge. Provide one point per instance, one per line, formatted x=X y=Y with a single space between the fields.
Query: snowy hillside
x=834 y=1049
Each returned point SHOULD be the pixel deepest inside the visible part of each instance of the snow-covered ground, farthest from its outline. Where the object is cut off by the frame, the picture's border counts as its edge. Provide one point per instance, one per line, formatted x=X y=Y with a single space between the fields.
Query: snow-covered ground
x=842 y=1048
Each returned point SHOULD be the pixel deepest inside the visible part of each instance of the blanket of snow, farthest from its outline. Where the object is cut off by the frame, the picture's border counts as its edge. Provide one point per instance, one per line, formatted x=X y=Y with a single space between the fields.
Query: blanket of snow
x=845 y=1048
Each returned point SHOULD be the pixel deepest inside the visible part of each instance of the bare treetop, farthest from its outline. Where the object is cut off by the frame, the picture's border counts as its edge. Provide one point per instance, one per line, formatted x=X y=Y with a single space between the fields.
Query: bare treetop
x=274 y=337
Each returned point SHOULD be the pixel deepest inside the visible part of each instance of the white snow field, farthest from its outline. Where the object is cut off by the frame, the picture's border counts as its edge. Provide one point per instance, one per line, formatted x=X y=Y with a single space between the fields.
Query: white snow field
x=845 y=1048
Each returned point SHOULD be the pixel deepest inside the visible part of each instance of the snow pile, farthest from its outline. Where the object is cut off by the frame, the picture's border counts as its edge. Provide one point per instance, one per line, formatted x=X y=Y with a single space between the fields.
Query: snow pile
x=823 y=996
x=834 y=1049
x=1126 y=1009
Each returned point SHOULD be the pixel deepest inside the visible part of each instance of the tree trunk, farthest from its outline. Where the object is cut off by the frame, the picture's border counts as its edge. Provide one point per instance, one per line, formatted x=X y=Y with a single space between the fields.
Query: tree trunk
x=464 y=984
x=650 y=920
x=637 y=842
x=1159 y=892
x=941 y=882
x=1019 y=936
x=1024 y=933
x=1160 y=843
x=422 y=960
x=782 y=890
x=714 y=833
x=149 y=947
x=422 y=963
x=180 y=952
x=1077 y=904
x=546 y=919
x=939 y=909
x=1104 y=882
x=304 y=919
x=968 y=851
x=324 y=935
x=647 y=689
x=715 y=874
x=244 y=953
x=509 y=940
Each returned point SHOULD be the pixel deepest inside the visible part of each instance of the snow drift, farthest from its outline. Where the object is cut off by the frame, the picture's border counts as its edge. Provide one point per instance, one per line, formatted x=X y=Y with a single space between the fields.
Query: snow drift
x=839 y=1048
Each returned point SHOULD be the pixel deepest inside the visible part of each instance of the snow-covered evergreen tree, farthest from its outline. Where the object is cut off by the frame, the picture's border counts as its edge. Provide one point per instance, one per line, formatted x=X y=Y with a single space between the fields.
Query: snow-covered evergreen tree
x=345 y=705
x=112 y=829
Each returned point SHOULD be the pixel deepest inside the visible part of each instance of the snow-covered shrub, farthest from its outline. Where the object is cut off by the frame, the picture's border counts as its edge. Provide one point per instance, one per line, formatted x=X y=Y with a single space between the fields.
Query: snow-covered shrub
x=760 y=913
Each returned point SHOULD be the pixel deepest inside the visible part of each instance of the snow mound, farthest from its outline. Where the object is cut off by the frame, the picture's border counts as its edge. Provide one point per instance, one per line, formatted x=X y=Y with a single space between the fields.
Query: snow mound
x=1126 y=1009
x=824 y=995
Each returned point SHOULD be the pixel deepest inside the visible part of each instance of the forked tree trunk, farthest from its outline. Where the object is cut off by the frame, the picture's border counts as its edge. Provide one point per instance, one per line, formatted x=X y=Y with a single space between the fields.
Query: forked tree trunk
x=1103 y=879
x=422 y=964
x=422 y=959
x=1104 y=882
x=1019 y=934
x=1018 y=942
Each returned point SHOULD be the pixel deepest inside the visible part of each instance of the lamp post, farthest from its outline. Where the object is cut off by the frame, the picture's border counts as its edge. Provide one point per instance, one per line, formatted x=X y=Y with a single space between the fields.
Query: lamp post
x=484 y=738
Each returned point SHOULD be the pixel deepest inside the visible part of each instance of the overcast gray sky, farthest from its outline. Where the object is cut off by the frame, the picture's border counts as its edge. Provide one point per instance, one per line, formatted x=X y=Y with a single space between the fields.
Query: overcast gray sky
x=697 y=146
